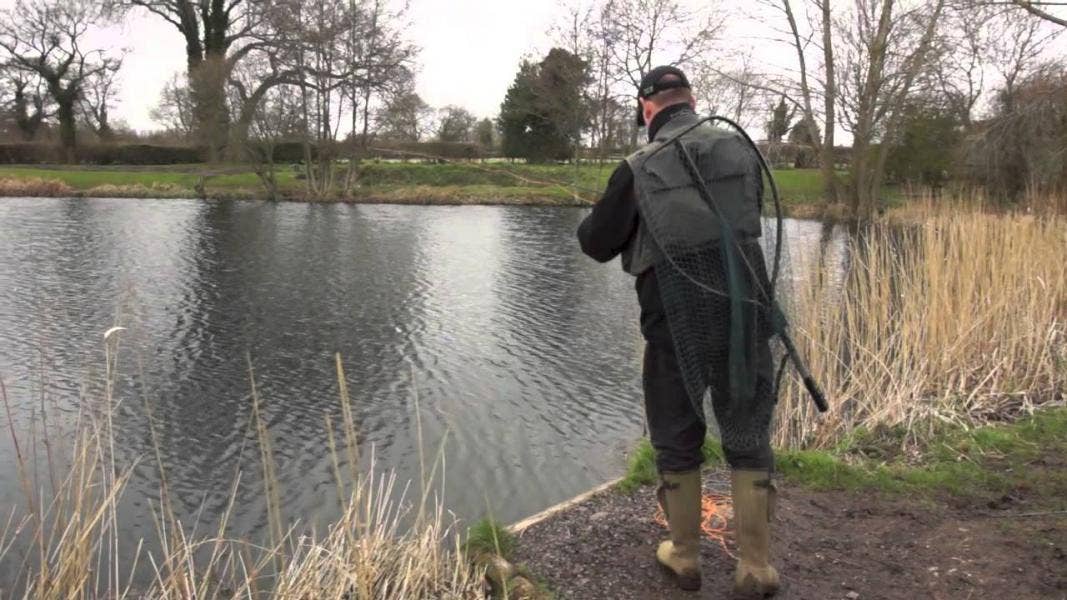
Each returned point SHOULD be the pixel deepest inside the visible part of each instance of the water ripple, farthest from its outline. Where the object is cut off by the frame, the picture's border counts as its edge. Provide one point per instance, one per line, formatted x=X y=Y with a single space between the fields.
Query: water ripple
x=524 y=353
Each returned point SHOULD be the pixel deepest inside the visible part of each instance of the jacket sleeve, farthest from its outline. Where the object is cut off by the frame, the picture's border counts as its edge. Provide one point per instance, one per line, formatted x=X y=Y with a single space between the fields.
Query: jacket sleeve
x=604 y=233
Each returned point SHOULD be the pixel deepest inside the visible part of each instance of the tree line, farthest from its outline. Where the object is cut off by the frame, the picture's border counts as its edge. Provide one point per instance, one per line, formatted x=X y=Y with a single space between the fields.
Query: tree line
x=348 y=62
x=925 y=90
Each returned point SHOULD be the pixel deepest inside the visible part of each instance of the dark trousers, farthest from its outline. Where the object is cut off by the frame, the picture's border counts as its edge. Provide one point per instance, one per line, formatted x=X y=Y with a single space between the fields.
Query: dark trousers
x=676 y=430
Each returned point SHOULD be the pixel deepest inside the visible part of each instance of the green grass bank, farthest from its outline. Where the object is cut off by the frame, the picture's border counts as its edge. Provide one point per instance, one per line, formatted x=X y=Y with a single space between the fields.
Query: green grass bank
x=392 y=182
x=955 y=462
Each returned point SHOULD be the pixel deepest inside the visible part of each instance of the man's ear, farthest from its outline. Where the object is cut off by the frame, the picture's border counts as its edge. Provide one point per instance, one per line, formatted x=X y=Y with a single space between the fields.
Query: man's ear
x=646 y=107
x=693 y=103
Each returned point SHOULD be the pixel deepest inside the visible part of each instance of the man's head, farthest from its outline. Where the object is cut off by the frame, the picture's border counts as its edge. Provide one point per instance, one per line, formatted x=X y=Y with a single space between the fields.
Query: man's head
x=662 y=87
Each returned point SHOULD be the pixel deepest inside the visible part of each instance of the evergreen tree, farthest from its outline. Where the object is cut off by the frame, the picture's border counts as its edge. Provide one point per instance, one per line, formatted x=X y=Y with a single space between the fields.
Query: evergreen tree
x=781 y=119
x=544 y=112
x=926 y=145
x=802 y=131
x=485 y=133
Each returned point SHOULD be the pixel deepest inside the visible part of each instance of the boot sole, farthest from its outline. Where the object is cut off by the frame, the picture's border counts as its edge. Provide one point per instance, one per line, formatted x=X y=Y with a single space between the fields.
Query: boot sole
x=689 y=583
x=754 y=590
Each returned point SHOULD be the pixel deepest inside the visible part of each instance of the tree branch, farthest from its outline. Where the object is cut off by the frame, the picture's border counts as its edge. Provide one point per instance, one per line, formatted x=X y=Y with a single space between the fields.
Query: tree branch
x=1030 y=7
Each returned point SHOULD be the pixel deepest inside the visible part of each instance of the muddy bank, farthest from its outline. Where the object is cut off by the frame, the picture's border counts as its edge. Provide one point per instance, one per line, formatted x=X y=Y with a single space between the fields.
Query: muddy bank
x=850 y=545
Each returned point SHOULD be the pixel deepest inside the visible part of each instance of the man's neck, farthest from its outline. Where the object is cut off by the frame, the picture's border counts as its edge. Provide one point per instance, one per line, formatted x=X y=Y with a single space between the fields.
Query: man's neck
x=665 y=115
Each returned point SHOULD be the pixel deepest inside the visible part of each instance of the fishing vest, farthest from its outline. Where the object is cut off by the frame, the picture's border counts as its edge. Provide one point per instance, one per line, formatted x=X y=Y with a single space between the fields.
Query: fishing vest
x=729 y=169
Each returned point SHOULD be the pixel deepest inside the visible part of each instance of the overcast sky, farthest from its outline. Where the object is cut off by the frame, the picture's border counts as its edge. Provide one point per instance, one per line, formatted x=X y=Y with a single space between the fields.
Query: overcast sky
x=470 y=50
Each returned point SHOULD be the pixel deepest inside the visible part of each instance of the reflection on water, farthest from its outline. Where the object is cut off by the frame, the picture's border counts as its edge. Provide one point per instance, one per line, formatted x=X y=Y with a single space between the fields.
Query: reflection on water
x=521 y=351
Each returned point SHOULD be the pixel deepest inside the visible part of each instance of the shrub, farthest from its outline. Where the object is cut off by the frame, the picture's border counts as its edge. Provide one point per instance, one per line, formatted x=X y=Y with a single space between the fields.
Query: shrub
x=100 y=154
x=138 y=154
x=30 y=153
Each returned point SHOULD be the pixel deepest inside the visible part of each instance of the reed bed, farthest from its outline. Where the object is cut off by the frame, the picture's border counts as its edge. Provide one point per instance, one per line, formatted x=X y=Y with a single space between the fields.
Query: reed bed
x=34 y=186
x=389 y=542
x=959 y=317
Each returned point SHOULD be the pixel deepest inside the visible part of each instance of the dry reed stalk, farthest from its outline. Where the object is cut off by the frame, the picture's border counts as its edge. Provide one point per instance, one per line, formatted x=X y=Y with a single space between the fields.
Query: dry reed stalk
x=34 y=186
x=71 y=549
x=959 y=318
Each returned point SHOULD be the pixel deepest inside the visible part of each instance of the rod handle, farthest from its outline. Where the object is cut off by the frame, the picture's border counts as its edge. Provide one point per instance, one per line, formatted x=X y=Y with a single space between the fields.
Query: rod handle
x=816 y=394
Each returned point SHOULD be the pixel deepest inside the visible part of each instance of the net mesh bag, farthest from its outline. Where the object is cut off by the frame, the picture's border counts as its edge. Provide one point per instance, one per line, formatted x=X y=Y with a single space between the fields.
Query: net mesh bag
x=718 y=278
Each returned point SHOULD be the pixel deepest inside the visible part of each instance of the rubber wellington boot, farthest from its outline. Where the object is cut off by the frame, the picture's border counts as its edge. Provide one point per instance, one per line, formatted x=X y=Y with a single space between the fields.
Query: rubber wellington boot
x=679 y=496
x=754 y=493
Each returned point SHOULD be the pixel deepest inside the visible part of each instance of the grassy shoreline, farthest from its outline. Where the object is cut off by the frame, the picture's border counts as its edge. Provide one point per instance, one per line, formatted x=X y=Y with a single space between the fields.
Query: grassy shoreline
x=377 y=182
x=957 y=461
x=979 y=511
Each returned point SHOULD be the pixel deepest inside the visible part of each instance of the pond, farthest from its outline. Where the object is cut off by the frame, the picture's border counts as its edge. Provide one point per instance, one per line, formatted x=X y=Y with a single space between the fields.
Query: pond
x=482 y=325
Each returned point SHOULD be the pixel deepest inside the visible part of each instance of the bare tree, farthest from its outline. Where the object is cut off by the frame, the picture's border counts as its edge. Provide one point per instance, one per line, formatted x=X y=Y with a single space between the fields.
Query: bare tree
x=608 y=93
x=959 y=73
x=732 y=92
x=884 y=51
x=218 y=34
x=276 y=119
x=1016 y=46
x=1035 y=8
x=175 y=107
x=621 y=40
x=639 y=34
x=808 y=31
x=384 y=60
x=331 y=56
x=97 y=100
x=405 y=117
x=325 y=63
x=985 y=45
x=27 y=104
x=651 y=32
x=252 y=80
x=826 y=153
x=455 y=124
x=1022 y=146
x=45 y=38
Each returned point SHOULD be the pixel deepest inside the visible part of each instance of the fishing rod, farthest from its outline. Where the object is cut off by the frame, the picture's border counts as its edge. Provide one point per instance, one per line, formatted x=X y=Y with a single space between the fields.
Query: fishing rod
x=779 y=323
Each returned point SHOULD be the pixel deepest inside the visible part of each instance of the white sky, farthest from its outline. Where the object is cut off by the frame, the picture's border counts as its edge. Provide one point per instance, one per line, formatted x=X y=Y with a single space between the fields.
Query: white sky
x=470 y=50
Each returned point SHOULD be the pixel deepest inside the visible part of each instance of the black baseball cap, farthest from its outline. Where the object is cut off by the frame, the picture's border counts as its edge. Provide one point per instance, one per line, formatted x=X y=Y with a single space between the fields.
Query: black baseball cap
x=652 y=83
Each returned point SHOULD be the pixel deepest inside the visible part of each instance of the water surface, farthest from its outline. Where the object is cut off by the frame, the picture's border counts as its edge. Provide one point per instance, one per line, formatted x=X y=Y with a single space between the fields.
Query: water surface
x=521 y=351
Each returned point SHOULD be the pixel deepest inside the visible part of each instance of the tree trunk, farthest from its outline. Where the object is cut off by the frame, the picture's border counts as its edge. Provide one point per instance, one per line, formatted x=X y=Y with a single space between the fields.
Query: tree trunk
x=67 y=131
x=27 y=123
x=827 y=159
x=243 y=125
x=103 y=129
x=207 y=84
x=863 y=197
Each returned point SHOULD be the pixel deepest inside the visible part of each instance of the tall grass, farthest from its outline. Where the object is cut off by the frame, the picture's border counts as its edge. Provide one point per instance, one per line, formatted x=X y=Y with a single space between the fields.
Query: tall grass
x=961 y=318
x=68 y=532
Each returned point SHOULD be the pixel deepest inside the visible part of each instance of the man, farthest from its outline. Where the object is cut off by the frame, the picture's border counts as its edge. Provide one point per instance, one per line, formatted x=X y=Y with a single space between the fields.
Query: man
x=648 y=207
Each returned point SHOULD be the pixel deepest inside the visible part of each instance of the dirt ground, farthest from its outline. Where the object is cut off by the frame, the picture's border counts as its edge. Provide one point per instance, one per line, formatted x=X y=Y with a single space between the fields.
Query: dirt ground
x=847 y=545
